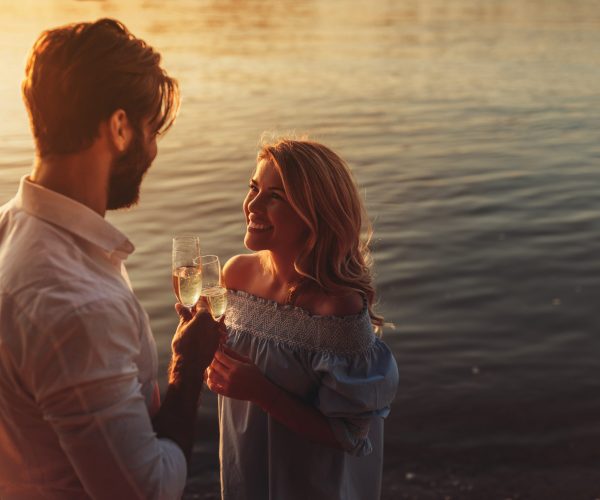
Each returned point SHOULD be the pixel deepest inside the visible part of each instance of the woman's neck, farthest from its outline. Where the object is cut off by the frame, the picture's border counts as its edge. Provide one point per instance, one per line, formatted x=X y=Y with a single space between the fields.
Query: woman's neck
x=282 y=270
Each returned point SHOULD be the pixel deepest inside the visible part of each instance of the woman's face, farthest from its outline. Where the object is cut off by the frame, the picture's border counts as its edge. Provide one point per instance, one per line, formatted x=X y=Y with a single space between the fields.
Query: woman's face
x=271 y=222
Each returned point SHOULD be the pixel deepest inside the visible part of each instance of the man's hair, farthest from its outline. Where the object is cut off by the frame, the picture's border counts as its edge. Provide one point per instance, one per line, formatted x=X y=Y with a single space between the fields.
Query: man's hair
x=78 y=75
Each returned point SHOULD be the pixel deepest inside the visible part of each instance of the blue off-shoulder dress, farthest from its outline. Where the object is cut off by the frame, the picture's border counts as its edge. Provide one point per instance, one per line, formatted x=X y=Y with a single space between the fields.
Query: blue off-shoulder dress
x=336 y=364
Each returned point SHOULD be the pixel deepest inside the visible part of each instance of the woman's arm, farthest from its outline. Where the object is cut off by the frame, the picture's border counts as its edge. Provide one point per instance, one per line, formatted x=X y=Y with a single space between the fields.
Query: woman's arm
x=237 y=377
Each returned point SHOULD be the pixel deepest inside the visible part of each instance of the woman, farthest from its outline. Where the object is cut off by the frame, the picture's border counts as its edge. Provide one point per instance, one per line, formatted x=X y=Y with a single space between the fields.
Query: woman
x=304 y=382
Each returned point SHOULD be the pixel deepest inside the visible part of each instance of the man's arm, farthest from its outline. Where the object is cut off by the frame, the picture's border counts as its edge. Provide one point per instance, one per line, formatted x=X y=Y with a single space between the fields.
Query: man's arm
x=193 y=347
x=85 y=381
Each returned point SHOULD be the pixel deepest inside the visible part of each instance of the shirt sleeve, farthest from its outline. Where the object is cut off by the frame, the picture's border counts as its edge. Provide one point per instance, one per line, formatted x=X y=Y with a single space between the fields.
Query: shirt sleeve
x=354 y=390
x=84 y=379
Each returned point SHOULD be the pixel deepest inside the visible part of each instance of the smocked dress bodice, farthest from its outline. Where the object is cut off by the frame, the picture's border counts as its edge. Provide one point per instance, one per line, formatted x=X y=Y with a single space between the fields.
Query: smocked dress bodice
x=336 y=364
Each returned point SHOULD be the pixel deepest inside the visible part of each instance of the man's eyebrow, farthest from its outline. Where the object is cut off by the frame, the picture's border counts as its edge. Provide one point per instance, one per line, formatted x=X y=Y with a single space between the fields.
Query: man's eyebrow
x=272 y=188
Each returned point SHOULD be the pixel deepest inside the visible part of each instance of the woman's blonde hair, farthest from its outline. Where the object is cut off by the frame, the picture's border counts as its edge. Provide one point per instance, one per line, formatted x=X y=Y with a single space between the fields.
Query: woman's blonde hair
x=320 y=187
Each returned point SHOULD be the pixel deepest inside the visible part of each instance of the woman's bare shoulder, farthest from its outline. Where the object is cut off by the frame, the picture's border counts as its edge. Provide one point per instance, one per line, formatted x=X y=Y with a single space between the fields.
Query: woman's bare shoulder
x=238 y=270
x=324 y=304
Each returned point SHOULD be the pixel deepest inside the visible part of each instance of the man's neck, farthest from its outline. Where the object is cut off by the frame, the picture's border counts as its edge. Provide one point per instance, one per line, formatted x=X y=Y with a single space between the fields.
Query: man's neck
x=82 y=176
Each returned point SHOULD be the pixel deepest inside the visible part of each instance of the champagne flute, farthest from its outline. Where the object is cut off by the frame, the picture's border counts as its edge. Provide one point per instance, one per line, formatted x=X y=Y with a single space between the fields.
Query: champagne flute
x=212 y=286
x=187 y=269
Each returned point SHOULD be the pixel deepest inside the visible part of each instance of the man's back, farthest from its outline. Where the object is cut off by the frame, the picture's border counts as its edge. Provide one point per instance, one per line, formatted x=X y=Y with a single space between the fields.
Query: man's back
x=76 y=353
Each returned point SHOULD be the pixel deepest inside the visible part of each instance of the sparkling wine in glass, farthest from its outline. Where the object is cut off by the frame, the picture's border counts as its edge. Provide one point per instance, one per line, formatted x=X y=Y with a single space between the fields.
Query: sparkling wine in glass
x=212 y=286
x=187 y=269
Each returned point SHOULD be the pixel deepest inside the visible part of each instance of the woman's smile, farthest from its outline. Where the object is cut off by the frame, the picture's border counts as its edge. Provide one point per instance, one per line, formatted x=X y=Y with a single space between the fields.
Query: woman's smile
x=256 y=227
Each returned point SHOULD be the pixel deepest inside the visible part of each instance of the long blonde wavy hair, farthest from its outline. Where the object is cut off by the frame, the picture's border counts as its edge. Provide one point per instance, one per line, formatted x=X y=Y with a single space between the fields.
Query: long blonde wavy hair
x=320 y=187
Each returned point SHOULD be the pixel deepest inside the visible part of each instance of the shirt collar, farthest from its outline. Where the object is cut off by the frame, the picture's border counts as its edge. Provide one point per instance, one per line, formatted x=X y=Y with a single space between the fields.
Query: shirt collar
x=72 y=216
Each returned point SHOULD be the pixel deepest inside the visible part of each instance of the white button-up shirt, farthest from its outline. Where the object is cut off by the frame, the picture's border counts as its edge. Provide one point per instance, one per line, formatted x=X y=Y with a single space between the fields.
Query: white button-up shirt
x=77 y=360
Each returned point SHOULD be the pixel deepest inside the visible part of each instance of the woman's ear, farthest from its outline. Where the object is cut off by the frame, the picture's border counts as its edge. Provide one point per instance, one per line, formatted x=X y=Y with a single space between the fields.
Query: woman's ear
x=120 y=131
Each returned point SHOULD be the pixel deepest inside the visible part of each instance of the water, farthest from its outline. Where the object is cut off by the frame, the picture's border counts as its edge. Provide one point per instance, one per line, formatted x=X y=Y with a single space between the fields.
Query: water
x=473 y=130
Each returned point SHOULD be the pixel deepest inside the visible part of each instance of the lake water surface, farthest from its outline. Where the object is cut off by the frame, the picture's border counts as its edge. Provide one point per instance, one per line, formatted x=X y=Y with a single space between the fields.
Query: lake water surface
x=473 y=129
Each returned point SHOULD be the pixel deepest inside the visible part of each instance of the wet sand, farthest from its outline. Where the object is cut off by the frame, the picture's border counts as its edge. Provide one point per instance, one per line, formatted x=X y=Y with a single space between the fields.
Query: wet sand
x=414 y=473
x=503 y=483
x=529 y=473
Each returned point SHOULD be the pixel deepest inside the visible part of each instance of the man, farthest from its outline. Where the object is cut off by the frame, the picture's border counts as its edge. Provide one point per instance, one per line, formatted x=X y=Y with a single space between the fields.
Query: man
x=79 y=409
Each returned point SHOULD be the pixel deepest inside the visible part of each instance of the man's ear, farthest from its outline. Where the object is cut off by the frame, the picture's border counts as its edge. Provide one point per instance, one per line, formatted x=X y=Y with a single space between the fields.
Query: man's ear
x=120 y=132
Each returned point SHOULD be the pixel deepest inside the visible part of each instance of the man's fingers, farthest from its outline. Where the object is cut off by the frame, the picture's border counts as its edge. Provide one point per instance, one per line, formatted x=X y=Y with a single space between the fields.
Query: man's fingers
x=202 y=312
x=202 y=304
x=183 y=312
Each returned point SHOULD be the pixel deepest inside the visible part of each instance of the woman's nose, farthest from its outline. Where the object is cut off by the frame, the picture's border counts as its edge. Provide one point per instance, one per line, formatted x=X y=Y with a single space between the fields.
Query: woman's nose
x=256 y=204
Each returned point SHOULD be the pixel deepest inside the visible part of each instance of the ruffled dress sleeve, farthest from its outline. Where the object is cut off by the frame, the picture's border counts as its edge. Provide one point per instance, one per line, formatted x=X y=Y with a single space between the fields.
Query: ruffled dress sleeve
x=355 y=388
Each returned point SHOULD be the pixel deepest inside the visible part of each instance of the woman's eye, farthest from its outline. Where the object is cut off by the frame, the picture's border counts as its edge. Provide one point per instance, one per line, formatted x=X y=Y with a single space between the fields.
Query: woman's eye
x=276 y=196
x=252 y=187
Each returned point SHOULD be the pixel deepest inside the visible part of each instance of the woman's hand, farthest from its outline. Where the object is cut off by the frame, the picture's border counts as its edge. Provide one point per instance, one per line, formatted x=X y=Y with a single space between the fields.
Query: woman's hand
x=235 y=376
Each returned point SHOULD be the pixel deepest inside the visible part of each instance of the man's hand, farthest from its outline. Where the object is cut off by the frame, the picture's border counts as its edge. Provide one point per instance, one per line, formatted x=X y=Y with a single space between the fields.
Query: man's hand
x=195 y=341
x=194 y=344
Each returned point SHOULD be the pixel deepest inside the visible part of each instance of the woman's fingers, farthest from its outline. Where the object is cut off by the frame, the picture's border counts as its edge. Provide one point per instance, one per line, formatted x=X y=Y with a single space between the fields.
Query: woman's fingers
x=218 y=383
x=230 y=353
x=214 y=387
x=215 y=377
x=222 y=357
x=219 y=364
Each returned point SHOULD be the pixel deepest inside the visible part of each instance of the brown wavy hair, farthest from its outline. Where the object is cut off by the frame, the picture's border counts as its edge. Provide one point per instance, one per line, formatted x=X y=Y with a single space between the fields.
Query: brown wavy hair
x=78 y=75
x=320 y=187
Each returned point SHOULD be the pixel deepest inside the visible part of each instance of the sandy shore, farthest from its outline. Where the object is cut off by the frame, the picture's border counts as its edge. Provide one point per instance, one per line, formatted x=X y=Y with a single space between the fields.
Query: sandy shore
x=422 y=481
x=501 y=484
x=414 y=471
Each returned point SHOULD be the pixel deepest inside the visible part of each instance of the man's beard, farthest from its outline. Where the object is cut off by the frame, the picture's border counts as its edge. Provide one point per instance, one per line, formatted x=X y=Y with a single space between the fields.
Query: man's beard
x=127 y=172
